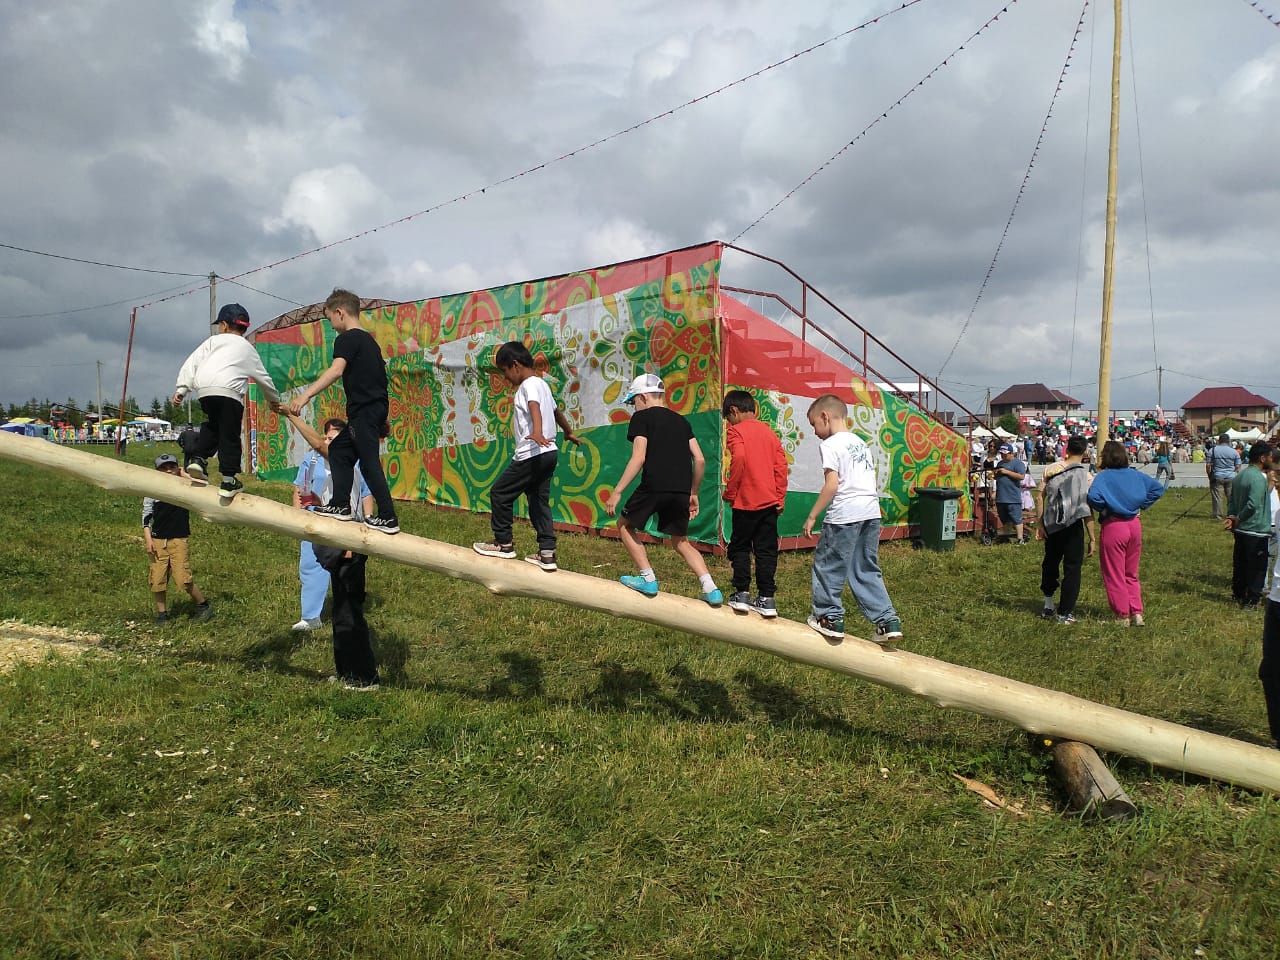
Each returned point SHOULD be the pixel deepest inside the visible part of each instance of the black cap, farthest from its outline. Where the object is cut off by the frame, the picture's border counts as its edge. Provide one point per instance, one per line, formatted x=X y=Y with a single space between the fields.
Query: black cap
x=234 y=315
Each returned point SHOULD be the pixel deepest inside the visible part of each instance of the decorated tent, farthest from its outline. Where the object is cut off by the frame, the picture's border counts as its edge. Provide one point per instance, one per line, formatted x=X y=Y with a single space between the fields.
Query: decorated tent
x=590 y=333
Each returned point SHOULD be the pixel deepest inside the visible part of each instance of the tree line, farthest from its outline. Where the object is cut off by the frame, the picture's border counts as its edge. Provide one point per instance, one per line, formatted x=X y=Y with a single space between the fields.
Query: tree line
x=72 y=412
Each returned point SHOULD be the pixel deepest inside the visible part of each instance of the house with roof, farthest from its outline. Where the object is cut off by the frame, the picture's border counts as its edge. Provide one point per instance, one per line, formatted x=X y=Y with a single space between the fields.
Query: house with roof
x=1213 y=404
x=1032 y=400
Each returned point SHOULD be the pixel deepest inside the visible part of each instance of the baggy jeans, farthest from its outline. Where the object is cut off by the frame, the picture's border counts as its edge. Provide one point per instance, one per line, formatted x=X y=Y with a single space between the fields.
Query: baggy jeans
x=352 y=649
x=1249 y=567
x=1221 y=490
x=532 y=478
x=1120 y=552
x=850 y=553
x=1063 y=547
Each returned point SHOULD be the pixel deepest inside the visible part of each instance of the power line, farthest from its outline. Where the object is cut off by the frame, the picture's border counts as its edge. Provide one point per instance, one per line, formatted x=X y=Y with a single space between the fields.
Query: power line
x=1273 y=20
x=1221 y=380
x=265 y=293
x=99 y=263
x=835 y=156
x=1026 y=177
x=95 y=306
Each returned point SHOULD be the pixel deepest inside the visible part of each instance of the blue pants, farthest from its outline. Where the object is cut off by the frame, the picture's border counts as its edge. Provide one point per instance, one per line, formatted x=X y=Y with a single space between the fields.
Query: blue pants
x=315 y=582
x=850 y=553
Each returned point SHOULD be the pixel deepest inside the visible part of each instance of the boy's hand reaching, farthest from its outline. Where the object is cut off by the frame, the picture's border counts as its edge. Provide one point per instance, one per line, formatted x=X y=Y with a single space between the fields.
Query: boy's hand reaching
x=572 y=438
x=611 y=504
x=177 y=397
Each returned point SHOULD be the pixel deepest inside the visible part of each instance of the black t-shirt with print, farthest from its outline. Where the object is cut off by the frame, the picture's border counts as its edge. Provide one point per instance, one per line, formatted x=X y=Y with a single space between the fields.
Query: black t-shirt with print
x=365 y=376
x=668 y=465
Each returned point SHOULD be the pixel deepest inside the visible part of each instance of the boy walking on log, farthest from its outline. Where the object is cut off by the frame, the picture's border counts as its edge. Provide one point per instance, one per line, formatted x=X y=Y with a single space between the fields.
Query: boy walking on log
x=849 y=543
x=165 y=530
x=670 y=464
x=534 y=463
x=357 y=360
x=757 y=492
x=218 y=372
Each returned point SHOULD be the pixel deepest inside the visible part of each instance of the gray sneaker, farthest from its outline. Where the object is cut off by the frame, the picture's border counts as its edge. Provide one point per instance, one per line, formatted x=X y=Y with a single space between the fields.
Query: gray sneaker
x=830 y=627
x=740 y=602
x=764 y=606
x=889 y=630
x=203 y=612
x=544 y=559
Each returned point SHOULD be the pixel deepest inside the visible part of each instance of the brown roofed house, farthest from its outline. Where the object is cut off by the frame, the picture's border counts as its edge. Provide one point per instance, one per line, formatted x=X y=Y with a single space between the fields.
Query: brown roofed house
x=1032 y=400
x=1213 y=404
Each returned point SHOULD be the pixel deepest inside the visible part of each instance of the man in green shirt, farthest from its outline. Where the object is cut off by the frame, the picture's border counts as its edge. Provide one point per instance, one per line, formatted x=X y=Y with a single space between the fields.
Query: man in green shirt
x=1249 y=518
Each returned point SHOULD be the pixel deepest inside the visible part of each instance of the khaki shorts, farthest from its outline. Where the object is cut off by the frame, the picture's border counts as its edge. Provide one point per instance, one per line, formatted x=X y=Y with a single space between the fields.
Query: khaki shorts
x=171 y=560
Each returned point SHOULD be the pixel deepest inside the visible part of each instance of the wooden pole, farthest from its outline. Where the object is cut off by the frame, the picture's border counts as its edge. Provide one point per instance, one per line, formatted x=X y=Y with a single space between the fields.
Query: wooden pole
x=1091 y=787
x=124 y=387
x=1109 y=254
x=1039 y=711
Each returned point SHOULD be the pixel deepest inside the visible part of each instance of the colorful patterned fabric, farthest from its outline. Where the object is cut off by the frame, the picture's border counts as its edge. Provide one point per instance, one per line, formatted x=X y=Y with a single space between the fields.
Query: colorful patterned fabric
x=590 y=333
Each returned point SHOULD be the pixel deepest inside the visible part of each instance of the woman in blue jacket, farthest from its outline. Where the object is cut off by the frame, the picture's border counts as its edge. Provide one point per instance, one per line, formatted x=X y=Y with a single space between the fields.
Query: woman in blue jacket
x=1119 y=494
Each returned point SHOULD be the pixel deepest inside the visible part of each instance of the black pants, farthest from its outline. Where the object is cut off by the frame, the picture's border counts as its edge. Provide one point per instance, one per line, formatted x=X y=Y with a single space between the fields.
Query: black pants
x=1269 y=669
x=754 y=532
x=1063 y=547
x=532 y=478
x=359 y=442
x=220 y=433
x=352 y=651
x=1248 y=568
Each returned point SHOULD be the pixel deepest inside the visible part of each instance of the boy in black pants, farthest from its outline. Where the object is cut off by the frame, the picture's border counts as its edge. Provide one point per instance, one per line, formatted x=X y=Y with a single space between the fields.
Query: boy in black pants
x=219 y=371
x=534 y=463
x=357 y=359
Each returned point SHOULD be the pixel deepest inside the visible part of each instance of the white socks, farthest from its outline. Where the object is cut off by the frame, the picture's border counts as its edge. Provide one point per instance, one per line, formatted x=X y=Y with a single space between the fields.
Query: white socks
x=647 y=573
x=707 y=583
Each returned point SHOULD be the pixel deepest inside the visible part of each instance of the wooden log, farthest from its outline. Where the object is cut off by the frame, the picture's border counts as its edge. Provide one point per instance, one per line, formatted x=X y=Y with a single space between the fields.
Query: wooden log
x=1091 y=788
x=1034 y=709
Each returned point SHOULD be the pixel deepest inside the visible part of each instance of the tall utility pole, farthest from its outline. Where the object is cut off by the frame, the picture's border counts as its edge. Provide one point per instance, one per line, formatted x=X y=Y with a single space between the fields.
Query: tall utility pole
x=988 y=403
x=1160 y=388
x=213 y=297
x=97 y=427
x=1109 y=255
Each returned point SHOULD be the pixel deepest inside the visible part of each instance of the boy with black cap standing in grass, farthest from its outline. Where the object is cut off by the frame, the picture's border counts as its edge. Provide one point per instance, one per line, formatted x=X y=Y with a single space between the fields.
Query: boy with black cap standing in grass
x=165 y=529
x=218 y=372
x=357 y=361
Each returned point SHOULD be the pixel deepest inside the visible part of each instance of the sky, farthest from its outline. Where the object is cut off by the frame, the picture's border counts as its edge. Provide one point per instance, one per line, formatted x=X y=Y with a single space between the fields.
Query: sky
x=211 y=135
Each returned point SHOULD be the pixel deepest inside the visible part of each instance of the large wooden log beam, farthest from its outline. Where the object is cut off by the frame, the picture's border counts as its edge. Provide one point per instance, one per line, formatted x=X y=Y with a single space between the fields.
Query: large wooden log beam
x=1039 y=711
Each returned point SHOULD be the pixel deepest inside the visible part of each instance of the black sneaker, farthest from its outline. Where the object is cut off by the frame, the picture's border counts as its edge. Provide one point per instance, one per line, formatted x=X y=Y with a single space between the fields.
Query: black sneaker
x=889 y=630
x=545 y=559
x=830 y=627
x=740 y=601
x=162 y=617
x=1048 y=613
x=203 y=613
x=383 y=524
x=334 y=512
x=765 y=607
x=229 y=487
x=197 y=469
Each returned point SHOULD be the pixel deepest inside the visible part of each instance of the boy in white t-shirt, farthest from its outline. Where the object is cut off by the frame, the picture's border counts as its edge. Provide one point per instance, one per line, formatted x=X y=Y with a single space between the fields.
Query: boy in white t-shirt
x=849 y=545
x=534 y=463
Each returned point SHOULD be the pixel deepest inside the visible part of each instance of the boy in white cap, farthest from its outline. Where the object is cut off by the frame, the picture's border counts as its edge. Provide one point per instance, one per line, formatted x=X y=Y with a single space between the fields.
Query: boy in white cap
x=670 y=464
x=218 y=372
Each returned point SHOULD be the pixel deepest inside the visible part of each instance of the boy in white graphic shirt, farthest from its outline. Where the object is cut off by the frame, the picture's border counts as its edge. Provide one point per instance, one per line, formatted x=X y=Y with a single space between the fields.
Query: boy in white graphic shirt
x=849 y=544
x=534 y=463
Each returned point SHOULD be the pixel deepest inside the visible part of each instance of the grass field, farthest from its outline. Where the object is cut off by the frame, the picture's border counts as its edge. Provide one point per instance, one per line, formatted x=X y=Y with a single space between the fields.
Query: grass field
x=545 y=782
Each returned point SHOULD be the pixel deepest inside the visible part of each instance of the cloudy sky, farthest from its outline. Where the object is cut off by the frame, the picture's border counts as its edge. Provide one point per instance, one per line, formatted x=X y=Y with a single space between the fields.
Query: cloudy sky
x=199 y=135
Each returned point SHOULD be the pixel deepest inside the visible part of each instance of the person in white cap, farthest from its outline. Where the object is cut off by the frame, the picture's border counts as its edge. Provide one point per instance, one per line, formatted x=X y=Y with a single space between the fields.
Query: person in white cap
x=670 y=464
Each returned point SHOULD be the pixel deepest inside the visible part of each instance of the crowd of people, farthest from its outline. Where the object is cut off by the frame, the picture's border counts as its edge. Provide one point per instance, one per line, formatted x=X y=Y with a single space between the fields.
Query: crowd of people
x=342 y=478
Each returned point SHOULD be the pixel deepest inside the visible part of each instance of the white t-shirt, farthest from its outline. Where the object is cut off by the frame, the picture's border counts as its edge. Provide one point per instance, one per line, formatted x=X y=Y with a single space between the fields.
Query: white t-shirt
x=535 y=389
x=856 y=497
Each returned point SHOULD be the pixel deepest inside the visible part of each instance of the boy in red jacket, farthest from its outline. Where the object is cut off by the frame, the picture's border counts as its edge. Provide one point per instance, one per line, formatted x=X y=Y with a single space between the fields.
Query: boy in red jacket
x=757 y=491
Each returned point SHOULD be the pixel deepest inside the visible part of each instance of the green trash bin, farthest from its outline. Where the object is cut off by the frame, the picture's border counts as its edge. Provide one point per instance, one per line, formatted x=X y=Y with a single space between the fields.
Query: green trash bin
x=936 y=509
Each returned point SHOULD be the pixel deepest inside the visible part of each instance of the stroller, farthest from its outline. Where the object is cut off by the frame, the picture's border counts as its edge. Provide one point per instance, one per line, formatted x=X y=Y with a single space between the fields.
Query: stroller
x=982 y=486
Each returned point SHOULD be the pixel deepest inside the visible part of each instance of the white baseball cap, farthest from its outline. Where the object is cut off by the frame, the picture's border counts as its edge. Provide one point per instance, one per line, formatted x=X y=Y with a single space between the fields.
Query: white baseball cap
x=645 y=383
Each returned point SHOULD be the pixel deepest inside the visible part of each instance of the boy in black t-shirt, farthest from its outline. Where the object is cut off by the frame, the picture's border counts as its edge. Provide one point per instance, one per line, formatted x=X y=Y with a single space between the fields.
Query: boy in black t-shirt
x=357 y=359
x=670 y=464
x=165 y=530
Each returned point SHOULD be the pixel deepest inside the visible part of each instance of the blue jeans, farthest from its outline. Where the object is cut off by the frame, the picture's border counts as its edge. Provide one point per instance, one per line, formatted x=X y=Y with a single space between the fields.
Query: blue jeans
x=315 y=582
x=850 y=553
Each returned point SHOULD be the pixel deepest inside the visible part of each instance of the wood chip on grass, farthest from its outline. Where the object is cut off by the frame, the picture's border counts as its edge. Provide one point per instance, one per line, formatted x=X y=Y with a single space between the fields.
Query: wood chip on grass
x=29 y=643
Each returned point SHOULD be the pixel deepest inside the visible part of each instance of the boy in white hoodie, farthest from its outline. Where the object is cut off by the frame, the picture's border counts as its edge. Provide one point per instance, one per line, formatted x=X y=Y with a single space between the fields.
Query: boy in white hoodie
x=218 y=372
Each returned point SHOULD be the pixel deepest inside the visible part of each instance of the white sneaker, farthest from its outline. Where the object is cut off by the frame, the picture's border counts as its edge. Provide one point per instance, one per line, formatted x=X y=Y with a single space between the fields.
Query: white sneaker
x=305 y=624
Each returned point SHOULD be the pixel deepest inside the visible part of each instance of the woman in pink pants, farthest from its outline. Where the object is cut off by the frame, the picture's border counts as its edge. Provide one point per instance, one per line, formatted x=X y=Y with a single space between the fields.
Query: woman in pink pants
x=1120 y=494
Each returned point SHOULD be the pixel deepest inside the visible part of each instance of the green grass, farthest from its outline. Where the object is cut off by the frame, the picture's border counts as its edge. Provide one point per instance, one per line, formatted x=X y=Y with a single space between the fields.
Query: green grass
x=536 y=781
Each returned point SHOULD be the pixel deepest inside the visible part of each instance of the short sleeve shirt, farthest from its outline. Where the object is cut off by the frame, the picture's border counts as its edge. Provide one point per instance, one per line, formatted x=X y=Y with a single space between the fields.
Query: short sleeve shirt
x=535 y=389
x=1224 y=461
x=668 y=464
x=365 y=377
x=856 y=498
x=1009 y=490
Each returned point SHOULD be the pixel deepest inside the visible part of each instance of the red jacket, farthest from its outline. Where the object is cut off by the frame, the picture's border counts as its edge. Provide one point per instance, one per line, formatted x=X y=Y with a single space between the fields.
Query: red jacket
x=757 y=467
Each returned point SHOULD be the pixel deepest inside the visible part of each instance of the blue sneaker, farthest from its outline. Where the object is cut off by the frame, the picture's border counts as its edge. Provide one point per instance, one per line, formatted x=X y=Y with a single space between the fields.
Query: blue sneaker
x=648 y=587
x=714 y=597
